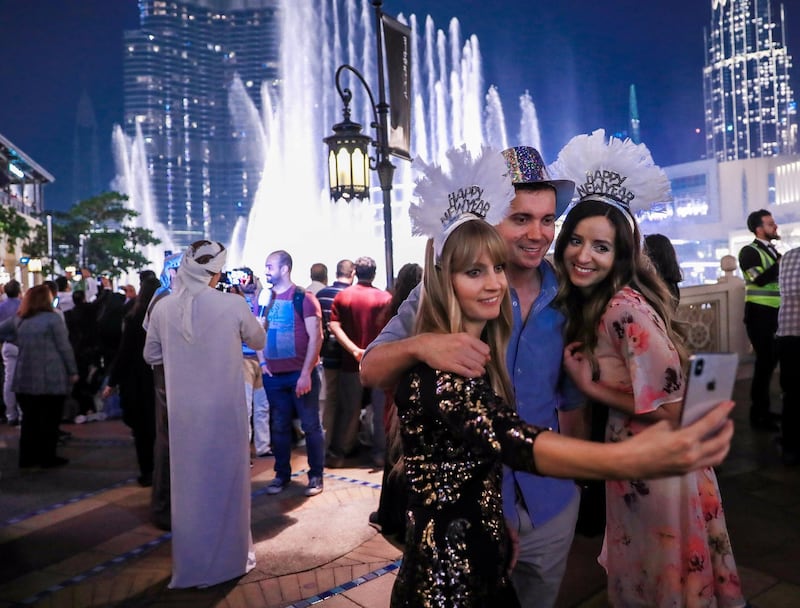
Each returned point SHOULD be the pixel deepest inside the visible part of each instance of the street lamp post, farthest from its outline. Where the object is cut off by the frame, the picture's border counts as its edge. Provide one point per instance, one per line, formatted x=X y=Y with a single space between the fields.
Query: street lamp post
x=349 y=162
x=50 y=245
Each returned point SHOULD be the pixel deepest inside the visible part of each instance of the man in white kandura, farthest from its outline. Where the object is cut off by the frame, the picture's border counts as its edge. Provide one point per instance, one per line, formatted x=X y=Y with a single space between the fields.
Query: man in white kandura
x=197 y=334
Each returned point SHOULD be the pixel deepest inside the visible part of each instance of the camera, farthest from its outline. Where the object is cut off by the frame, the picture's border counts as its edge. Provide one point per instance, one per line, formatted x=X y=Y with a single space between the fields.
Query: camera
x=238 y=280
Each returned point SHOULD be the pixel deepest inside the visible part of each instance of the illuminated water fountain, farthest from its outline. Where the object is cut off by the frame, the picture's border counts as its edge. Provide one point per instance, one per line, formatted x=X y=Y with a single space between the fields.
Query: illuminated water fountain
x=291 y=209
x=133 y=179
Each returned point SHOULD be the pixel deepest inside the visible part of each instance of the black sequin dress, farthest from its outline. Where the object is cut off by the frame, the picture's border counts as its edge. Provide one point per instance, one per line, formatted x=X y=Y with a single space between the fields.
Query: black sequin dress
x=456 y=436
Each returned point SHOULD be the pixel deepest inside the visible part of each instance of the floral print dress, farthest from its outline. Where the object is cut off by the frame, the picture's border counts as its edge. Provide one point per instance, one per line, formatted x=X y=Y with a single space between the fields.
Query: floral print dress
x=666 y=541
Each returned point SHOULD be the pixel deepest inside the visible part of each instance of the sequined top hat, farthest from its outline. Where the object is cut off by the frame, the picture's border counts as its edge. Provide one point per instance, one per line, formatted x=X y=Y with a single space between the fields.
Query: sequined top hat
x=525 y=166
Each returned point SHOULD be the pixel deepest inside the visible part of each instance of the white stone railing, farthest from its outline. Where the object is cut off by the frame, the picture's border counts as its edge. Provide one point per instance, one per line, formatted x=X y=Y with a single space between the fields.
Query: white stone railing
x=712 y=315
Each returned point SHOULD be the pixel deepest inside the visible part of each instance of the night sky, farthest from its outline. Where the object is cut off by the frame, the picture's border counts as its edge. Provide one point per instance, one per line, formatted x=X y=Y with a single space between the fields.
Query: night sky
x=577 y=58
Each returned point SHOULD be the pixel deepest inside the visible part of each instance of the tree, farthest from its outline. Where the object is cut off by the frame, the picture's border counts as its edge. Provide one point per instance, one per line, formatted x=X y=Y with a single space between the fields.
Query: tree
x=14 y=227
x=97 y=233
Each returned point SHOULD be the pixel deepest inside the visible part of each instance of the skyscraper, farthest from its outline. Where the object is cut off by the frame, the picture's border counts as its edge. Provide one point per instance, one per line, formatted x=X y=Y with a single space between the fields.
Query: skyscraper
x=177 y=69
x=750 y=110
x=86 y=181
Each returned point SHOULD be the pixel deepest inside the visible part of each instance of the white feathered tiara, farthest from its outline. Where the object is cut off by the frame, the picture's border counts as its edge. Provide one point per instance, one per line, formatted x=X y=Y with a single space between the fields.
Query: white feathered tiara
x=619 y=173
x=471 y=188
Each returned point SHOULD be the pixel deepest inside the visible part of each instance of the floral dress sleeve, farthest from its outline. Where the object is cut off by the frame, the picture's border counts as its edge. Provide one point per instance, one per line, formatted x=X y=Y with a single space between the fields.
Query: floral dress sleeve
x=639 y=338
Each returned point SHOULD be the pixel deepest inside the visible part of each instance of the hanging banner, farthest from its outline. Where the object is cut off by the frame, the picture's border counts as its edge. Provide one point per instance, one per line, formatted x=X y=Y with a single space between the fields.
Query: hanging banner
x=398 y=68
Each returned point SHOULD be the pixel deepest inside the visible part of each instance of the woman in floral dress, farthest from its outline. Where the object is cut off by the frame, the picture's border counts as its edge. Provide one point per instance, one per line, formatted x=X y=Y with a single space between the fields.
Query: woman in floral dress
x=666 y=542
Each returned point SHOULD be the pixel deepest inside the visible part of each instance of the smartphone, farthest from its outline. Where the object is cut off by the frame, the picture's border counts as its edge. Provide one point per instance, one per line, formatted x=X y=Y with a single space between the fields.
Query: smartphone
x=710 y=380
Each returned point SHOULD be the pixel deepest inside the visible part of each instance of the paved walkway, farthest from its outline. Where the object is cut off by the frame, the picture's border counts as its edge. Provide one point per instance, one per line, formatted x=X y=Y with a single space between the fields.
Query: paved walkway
x=80 y=535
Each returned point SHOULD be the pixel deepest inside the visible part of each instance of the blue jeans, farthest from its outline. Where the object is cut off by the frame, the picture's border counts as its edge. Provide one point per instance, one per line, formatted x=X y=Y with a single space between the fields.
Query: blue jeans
x=283 y=404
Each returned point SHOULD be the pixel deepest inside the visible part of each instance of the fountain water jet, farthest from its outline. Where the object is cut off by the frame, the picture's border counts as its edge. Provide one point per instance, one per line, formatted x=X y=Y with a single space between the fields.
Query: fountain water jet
x=291 y=208
x=133 y=179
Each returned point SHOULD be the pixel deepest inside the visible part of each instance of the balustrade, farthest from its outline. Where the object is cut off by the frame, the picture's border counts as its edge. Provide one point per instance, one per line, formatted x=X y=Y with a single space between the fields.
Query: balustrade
x=712 y=316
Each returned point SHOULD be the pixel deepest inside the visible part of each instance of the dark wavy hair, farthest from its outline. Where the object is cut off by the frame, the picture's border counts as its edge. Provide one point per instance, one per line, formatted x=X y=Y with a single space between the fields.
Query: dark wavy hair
x=408 y=277
x=661 y=253
x=147 y=290
x=631 y=267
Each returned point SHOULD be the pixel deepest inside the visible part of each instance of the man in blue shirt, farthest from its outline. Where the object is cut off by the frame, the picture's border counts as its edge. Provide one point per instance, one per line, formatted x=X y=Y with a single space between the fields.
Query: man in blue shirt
x=540 y=511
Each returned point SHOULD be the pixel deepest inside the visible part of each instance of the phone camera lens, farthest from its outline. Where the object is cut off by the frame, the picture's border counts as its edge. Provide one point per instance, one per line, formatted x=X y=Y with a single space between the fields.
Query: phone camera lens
x=698 y=368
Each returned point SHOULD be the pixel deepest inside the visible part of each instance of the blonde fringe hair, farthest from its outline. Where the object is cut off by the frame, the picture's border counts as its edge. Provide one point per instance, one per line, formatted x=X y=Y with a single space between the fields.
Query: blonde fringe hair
x=439 y=310
x=631 y=267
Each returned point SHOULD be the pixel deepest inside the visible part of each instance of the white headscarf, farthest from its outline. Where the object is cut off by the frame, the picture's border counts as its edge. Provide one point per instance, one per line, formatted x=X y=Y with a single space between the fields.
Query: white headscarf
x=200 y=262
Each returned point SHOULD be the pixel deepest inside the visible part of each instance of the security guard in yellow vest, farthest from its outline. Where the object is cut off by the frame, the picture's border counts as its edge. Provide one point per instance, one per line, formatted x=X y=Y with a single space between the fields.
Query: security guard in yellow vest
x=759 y=262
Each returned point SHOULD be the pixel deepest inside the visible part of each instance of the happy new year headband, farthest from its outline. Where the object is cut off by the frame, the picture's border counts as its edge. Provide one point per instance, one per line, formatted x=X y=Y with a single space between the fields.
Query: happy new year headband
x=619 y=173
x=469 y=188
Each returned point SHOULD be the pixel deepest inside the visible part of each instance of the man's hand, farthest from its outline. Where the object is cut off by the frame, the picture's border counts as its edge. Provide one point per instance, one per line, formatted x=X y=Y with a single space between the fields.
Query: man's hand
x=458 y=353
x=461 y=353
x=303 y=385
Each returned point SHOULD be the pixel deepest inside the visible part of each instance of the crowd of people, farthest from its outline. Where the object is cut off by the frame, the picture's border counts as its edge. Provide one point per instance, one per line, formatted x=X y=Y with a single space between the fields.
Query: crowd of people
x=473 y=384
x=60 y=342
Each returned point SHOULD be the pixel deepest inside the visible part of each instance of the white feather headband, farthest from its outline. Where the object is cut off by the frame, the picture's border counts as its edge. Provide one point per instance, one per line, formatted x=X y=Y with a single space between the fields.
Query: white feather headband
x=472 y=188
x=619 y=173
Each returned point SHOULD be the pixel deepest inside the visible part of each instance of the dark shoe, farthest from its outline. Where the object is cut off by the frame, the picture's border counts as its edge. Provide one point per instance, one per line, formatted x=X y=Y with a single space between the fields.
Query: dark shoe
x=277 y=485
x=58 y=461
x=314 y=486
x=375 y=522
x=145 y=480
x=266 y=454
x=14 y=422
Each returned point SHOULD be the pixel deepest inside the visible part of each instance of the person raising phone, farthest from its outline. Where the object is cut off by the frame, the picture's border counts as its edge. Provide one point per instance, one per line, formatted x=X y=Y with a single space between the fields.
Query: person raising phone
x=666 y=541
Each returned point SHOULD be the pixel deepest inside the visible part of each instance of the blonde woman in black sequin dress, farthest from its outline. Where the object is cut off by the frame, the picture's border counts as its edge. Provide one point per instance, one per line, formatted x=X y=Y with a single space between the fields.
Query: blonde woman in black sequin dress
x=456 y=434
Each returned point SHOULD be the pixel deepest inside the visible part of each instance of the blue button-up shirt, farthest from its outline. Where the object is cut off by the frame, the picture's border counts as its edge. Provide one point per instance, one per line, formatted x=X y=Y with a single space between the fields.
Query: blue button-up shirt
x=541 y=388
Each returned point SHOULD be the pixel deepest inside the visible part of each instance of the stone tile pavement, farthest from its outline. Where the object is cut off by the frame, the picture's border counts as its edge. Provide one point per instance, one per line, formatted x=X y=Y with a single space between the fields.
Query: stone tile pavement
x=80 y=535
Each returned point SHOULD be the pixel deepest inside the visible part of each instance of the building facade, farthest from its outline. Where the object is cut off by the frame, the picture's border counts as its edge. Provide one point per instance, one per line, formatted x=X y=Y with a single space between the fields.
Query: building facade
x=177 y=70
x=707 y=217
x=750 y=111
x=22 y=182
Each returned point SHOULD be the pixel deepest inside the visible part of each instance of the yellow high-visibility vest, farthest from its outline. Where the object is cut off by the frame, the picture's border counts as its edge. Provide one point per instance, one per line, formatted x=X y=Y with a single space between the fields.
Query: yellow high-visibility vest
x=765 y=295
